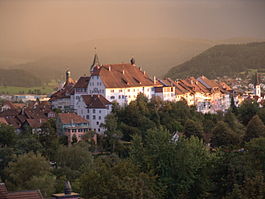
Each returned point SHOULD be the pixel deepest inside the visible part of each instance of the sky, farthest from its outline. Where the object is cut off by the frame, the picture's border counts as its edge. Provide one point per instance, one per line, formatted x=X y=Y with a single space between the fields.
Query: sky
x=32 y=23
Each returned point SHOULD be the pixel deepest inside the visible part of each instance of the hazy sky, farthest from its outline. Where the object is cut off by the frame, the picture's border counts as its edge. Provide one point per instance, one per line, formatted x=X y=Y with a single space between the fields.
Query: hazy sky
x=42 y=22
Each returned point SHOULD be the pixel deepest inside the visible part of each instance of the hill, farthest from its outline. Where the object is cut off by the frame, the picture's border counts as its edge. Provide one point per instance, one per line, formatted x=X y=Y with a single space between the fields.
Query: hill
x=155 y=55
x=220 y=60
x=17 y=77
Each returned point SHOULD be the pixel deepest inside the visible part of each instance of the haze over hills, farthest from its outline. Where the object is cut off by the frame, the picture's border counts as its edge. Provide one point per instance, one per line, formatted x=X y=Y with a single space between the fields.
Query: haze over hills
x=156 y=55
x=220 y=60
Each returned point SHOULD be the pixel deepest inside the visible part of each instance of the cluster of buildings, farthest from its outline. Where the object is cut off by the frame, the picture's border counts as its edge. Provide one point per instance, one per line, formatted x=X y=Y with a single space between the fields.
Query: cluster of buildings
x=86 y=103
x=91 y=96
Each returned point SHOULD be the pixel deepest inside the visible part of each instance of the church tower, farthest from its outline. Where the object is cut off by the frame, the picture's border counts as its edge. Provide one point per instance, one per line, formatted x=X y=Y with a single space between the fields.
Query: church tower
x=257 y=89
x=95 y=63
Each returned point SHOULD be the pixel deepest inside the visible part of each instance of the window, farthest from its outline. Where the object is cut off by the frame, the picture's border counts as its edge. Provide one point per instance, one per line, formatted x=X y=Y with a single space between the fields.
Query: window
x=133 y=90
x=87 y=117
x=112 y=97
x=97 y=123
x=79 y=130
x=119 y=97
x=99 y=111
x=128 y=90
x=97 y=77
x=120 y=91
x=73 y=130
x=94 y=117
x=94 y=110
x=98 y=130
x=99 y=117
x=112 y=91
x=87 y=110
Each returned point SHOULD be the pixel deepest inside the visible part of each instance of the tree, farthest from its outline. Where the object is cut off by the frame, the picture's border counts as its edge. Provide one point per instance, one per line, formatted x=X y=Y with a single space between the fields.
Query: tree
x=112 y=132
x=255 y=129
x=193 y=128
x=7 y=135
x=256 y=152
x=26 y=169
x=110 y=177
x=252 y=188
x=247 y=110
x=223 y=135
x=48 y=138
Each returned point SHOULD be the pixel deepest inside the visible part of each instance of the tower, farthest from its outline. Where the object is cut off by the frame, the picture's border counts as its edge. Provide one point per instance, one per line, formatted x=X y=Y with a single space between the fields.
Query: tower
x=257 y=89
x=95 y=62
x=67 y=76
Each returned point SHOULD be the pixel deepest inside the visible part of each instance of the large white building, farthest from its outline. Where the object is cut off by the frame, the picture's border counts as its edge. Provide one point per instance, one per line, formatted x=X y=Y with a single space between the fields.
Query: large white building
x=91 y=97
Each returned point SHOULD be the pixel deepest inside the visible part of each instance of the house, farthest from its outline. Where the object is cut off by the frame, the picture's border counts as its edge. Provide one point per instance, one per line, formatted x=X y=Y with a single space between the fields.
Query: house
x=61 y=99
x=94 y=108
x=34 y=124
x=72 y=125
x=4 y=194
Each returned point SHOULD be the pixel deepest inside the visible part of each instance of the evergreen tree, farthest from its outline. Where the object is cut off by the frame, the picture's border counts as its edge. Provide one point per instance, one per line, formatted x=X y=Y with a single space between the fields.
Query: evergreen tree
x=255 y=129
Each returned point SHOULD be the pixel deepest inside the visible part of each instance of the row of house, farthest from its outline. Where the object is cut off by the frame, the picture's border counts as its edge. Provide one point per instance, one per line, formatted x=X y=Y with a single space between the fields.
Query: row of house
x=91 y=96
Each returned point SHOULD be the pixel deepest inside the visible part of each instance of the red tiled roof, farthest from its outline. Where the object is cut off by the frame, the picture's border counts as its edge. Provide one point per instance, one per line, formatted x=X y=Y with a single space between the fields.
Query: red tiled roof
x=122 y=76
x=95 y=101
x=3 y=191
x=25 y=195
x=82 y=82
x=3 y=121
x=63 y=93
x=69 y=118
x=9 y=112
x=10 y=104
x=36 y=123
x=13 y=122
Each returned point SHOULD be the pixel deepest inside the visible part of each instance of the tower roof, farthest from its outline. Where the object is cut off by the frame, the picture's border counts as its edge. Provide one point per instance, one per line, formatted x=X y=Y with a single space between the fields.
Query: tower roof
x=95 y=62
x=257 y=80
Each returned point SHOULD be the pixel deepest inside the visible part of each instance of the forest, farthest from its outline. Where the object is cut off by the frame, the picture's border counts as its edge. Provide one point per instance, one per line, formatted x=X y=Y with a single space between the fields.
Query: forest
x=222 y=60
x=151 y=149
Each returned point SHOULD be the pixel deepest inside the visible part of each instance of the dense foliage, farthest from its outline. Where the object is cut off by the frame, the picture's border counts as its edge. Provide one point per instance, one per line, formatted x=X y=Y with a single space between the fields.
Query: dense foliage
x=151 y=149
x=222 y=60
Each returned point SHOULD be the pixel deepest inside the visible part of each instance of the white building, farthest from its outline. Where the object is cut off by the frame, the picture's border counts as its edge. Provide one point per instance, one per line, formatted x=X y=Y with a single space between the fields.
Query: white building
x=94 y=108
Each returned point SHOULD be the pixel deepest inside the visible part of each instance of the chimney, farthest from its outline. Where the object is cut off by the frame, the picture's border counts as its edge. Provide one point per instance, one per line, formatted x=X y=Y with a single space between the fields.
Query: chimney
x=154 y=79
x=144 y=72
x=123 y=72
x=109 y=68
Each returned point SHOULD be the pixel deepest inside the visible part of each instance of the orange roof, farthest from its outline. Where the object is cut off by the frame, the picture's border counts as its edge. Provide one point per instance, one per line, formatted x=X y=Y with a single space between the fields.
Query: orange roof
x=36 y=123
x=95 y=101
x=3 y=121
x=25 y=195
x=3 y=191
x=122 y=75
x=69 y=118
x=82 y=82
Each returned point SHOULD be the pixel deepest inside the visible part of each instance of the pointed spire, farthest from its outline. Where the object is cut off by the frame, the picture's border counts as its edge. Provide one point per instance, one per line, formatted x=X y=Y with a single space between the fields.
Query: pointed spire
x=67 y=188
x=95 y=61
x=257 y=82
x=132 y=61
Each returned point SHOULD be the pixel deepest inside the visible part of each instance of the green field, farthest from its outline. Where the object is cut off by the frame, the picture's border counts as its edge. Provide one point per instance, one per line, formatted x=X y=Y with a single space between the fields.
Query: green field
x=41 y=90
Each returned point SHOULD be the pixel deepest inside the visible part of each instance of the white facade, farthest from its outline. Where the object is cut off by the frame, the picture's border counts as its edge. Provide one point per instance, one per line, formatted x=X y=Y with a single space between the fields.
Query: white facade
x=95 y=116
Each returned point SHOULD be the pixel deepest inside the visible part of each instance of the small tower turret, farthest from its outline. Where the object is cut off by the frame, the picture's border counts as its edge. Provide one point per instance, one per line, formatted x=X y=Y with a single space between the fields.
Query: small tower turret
x=67 y=76
x=257 y=89
x=132 y=61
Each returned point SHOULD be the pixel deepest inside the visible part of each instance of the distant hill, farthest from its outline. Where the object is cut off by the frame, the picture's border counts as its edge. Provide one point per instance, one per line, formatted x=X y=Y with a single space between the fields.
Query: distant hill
x=220 y=60
x=17 y=77
x=154 y=55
